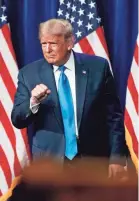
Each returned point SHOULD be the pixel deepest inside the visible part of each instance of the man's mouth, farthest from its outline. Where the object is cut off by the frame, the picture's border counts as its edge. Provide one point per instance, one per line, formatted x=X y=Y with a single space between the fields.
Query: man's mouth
x=50 y=56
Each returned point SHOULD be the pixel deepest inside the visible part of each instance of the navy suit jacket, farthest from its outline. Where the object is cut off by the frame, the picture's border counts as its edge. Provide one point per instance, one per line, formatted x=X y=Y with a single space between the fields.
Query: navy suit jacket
x=99 y=115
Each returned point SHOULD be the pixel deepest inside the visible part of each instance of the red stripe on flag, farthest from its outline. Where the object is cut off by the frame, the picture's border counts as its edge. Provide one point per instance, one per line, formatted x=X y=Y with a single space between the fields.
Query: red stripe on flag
x=100 y=34
x=6 y=33
x=86 y=47
x=11 y=135
x=133 y=91
x=12 y=89
x=7 y=79
x=136 y=53
x=5 y=167
x=130 y=128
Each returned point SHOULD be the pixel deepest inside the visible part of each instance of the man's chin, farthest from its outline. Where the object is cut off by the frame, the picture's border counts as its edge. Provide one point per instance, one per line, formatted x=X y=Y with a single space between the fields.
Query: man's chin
x=51 y=61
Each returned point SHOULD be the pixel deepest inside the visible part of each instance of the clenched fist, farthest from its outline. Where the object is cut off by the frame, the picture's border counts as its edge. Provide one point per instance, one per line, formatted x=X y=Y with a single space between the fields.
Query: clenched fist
x=39 y=93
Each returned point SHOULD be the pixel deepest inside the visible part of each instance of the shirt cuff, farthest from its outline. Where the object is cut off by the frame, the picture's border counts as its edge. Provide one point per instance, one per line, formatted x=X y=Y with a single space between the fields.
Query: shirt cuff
x=121 y=160
x=34 y=107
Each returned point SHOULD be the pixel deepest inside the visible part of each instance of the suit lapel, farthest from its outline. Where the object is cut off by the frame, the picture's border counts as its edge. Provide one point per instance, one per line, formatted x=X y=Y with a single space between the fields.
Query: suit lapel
x=81 y=74
x=48 y=79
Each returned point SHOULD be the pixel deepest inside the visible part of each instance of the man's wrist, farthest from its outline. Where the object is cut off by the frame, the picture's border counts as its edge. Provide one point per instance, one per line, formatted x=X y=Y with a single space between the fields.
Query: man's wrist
x=34 y=105
x=34 y=100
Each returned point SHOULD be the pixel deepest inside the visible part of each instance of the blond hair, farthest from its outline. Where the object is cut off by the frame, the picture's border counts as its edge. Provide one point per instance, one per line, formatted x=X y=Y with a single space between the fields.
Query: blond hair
x=56 y=27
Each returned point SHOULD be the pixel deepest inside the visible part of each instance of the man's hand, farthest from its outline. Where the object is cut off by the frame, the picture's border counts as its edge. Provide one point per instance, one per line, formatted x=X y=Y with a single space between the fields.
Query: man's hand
x=39 y=93
x=117 y=171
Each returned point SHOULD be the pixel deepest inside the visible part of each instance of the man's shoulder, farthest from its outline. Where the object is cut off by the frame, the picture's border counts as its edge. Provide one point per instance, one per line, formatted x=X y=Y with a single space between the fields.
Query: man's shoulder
x=33 y=66
x=92 y=62
x=89 y=58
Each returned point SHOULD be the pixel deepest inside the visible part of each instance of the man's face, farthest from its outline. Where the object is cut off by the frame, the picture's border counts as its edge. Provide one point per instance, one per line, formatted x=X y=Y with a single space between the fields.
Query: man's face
x=56 y=48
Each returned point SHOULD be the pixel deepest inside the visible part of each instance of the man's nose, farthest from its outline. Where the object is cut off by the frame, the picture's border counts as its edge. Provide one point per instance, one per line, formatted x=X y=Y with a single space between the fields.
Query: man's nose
x=48 y=47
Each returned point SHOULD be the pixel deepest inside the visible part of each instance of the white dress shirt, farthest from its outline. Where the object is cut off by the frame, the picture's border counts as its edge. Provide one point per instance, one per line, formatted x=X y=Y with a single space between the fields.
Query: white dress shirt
x=70 y=73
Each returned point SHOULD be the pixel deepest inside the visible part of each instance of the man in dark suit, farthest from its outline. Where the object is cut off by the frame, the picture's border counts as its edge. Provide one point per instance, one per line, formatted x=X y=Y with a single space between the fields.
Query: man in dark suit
x=71 y=100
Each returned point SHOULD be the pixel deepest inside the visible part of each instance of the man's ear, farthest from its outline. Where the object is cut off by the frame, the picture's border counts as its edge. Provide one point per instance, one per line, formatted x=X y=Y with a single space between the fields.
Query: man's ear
x=71 y=42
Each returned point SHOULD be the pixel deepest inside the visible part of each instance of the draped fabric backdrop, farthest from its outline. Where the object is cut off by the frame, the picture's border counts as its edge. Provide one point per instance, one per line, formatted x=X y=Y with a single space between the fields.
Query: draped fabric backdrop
x=119 y=19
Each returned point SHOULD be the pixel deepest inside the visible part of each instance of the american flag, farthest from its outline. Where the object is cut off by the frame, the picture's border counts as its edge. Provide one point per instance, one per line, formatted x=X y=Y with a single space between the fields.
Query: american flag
x=131 y=109
x=90 y=39
x=14 y=152
x=89 y=34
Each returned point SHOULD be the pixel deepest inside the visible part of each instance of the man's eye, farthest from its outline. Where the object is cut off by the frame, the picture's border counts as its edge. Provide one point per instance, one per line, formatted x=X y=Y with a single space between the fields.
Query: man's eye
x=44 y=44
x=54 y=44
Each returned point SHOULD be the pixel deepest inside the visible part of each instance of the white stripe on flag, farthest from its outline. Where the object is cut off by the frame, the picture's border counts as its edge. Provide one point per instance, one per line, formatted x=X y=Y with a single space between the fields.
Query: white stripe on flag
x=7 y=148
x=3 y=184
x=96 y=45
x=132 y=112
x=135 y=74
x=8 y=58
x=20 y=145
x=77 y=48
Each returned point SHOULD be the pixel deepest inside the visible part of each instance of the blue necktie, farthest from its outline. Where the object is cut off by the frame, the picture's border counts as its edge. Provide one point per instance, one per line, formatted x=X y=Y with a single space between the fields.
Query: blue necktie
x=66 y=103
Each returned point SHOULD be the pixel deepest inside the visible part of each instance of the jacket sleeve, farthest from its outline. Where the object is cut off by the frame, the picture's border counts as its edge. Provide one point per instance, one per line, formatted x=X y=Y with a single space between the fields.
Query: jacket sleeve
x=115 y=119
x=21 y=115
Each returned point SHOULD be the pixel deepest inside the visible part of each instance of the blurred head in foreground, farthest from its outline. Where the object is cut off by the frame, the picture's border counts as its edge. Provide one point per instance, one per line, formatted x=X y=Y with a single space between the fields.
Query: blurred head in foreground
x=83 y=180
